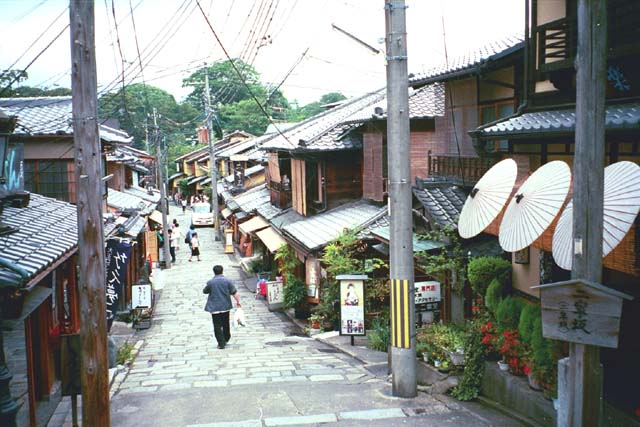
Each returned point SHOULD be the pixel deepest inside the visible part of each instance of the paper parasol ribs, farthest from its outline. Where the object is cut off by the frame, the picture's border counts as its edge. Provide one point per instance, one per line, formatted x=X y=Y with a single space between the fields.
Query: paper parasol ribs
x=534 y=207
x=487 y=198
x=621 y=206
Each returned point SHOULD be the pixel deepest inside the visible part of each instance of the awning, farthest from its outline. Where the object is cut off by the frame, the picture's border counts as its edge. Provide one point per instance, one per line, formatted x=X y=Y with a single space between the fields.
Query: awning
x=271 y=239
x=226 y=213
x=175 y=175
x=156 y=216
x=255 y=223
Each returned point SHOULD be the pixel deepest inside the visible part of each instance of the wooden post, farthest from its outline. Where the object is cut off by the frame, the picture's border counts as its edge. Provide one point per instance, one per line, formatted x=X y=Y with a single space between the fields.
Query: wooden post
x=584 y=368
x=88 y=171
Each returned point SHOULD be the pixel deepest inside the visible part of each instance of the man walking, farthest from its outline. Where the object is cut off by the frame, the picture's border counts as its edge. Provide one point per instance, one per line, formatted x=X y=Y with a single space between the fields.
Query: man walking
x=220 y=290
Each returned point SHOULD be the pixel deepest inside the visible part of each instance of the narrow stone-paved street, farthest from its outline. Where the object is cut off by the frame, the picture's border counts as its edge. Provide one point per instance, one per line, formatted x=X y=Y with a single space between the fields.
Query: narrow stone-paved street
x=268 y=375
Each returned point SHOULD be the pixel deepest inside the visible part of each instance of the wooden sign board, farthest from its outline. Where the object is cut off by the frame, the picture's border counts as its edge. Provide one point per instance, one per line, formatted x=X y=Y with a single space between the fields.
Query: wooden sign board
x=582 y=312
x=275 y=295
x=151 y=242
x=228 y=241
x=140 y=296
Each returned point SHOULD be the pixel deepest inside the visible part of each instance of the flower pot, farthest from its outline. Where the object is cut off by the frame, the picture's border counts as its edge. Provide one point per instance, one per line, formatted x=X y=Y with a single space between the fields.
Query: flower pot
x=425 y=357
x=504 y=366
x=533 y=382
x=437 y=363
x=457 y=358
x=555 y=403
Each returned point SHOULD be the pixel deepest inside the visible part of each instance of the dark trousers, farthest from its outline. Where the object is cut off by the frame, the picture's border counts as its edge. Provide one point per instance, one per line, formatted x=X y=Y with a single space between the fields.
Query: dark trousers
x=172 y=251
x=221 y=327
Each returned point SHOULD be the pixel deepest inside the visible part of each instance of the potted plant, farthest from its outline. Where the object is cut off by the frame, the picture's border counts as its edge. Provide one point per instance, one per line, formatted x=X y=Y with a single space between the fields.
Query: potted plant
x=295 y=296
x=314 y=321
x=504 y=366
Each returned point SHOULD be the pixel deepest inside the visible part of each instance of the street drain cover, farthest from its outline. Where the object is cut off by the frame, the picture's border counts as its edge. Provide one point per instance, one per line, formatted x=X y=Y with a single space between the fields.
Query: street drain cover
x=281 y=343
x=329 y=350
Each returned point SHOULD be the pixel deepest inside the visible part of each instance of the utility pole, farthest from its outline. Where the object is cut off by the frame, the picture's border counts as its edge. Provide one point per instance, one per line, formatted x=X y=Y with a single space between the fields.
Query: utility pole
x=163 y=193
x=94 y=374
x=585 y=372
x=403 y=324
x=212 y=154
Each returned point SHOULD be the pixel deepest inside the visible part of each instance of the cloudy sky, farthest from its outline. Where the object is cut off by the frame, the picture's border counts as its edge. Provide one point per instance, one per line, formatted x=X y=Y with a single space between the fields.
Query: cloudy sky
x=174 y=39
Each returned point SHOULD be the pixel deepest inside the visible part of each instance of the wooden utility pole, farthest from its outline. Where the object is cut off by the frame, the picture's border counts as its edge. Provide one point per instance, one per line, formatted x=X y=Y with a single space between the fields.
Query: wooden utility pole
x=585 y=373
x=212 y=154
x=94 y=373
x=403 y=324
x=163 y=193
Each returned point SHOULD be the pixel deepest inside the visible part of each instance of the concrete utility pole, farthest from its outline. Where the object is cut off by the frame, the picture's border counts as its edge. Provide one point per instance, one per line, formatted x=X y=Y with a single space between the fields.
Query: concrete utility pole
x=212 y=154
x=94 y=373
x=585 y=372
x=403 y=323
x=163 y=193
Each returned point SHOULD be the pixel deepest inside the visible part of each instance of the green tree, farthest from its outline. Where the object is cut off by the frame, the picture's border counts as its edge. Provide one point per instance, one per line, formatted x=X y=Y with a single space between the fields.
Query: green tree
x=243 y=115
x=30 y=91
x=133 y=107
x=317 y=107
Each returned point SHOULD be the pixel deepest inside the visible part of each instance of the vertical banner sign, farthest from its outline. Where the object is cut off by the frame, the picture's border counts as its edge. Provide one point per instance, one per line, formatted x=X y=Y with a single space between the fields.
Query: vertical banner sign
x=400 y=336
x=116 y=260
x=13 y=168
x=351 y=307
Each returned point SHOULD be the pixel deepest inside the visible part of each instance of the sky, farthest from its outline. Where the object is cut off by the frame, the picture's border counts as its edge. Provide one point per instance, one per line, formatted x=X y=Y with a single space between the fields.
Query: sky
x=174 y=39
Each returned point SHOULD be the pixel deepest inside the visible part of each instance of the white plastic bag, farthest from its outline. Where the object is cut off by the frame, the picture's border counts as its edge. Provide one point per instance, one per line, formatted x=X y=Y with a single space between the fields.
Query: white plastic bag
x=238 y=317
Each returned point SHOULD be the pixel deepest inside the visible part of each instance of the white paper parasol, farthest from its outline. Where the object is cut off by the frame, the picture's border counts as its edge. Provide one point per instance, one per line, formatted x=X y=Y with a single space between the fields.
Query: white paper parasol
x=621 y=206
x=535 y=206
x=487 y=198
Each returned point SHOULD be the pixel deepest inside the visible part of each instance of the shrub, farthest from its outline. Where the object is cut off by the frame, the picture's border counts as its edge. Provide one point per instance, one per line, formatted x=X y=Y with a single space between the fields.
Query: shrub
x=481 y=271
x=493 y=296
x=508 y=312
x=544 y=363
x=125 y=353
x=295 y=293
x=528 y=318
x=379 y=337
x=469 y=386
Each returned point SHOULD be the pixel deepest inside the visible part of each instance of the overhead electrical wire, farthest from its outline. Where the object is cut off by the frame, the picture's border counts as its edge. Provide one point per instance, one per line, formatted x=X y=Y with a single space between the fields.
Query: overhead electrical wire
x=240 y=75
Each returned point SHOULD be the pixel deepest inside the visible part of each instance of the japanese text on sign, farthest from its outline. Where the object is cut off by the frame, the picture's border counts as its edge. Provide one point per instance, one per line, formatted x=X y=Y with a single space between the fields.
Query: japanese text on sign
x=427 y=292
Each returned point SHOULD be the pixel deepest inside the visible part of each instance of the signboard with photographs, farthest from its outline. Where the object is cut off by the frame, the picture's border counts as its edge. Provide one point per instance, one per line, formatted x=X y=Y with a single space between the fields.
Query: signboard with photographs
x=352 y=304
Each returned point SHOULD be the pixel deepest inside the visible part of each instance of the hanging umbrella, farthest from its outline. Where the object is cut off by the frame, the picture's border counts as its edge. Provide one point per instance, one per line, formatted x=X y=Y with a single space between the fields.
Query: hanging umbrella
x=621 y=206
x=535 y=206
x=487 y=198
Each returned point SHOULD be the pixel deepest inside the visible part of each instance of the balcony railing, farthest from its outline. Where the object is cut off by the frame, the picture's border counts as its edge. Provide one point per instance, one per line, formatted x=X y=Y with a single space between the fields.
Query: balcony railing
x=557 y=40
x=280 y=197
x=463 y=170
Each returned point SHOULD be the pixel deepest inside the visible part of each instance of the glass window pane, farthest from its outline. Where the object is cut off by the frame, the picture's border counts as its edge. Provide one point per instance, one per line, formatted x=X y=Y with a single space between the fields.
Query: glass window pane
x=488 y=114
x=505 y=110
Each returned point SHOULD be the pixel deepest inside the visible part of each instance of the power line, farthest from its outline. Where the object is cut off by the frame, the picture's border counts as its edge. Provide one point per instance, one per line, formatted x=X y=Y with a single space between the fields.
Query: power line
x=240 y=75
x=34 y=60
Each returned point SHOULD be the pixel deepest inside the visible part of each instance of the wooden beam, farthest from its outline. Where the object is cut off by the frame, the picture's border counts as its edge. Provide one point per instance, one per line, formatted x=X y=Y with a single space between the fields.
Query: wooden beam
x=93 y=329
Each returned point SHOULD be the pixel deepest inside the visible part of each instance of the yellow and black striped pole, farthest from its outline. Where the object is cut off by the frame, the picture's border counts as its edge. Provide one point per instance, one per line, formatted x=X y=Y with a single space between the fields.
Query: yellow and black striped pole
x=400 y=313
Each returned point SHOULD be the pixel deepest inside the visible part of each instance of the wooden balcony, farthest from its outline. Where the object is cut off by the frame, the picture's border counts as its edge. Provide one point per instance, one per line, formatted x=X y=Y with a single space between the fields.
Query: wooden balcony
x=557 y=40
x=461 y=170
x=280 y=197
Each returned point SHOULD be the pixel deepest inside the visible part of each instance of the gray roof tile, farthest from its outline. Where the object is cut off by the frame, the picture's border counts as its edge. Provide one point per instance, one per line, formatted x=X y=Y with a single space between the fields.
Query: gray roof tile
x=443 y=203
x=621 y=116
x=250 y=200
x=317 y=231
x=470 y=60
x=46 y=230
x=50 y=116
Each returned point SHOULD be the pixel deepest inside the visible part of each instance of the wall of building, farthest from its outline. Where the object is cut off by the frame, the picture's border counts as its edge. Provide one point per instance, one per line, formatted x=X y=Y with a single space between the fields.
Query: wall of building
x=464 y=108
x=527 y=275
x=48 y=148
x=372 y=168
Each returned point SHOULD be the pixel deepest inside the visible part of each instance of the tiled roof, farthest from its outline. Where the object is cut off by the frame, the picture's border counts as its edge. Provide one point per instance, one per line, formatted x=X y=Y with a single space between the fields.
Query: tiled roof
x=124 y=201
x=287 y=217
x=268 y=211
x=176 y=175
x=46 y=230
x=419 y=244
x=317 y=231
x=425 y=102
x=51 y=116
x=335 y=139
x=250 y=200
x=443 y=202
x=151 y=195
x=316 y=126
x=467 y=63
x=134 y=225
x=620 y=116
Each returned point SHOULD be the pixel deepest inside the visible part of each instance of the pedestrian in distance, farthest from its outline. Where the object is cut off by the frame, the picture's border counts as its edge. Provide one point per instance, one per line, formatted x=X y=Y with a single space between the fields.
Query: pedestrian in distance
x=195 y=246
x=220 y=290
x=172 y=245
x=187 y=237
x=184 y=205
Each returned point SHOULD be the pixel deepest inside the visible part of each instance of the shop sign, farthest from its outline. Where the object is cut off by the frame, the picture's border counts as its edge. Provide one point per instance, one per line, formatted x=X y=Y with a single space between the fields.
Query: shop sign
x=141 y=296
x=352 y=304
x=427 y=292
x=582 y=312
x=275 y=295
x=116 y=260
